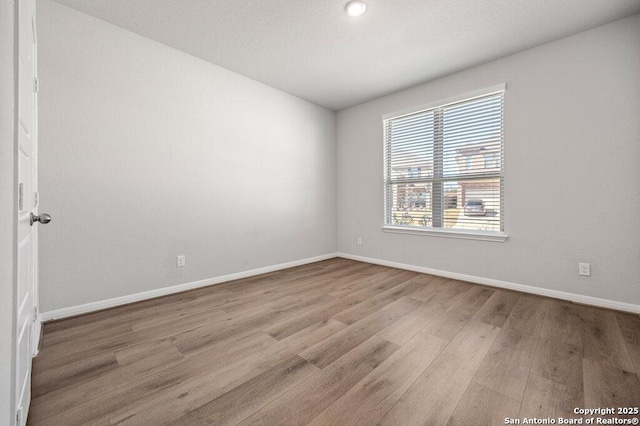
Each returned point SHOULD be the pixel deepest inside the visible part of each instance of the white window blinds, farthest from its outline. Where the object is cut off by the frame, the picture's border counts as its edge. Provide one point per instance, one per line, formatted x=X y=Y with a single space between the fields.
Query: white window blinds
x=444 y=166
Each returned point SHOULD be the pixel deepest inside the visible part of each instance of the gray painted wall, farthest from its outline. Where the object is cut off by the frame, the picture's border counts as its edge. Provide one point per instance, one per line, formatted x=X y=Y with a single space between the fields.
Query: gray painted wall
x=572 y=180
x=7 y=212
x=147 y=153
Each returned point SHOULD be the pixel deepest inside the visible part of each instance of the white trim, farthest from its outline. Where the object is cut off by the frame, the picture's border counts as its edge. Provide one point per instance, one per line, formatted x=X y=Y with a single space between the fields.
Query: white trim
x=578 y=298
x=37 y=330
x=131 y=298
x=499 y=237
x=452 y=100
x=118 y=301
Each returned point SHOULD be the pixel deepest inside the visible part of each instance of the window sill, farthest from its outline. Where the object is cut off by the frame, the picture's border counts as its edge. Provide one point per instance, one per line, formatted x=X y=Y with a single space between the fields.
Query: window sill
x=499 y=237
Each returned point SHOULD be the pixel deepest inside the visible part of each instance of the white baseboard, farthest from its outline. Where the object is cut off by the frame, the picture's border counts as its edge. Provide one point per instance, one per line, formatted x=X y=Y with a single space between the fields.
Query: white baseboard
x=124 y=300
x=577 y=298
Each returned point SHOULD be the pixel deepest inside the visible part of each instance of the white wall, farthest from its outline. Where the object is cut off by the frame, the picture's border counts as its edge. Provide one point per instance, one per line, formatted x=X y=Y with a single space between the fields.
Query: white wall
x=147 y=153
x=572 y=174
x=7 y=212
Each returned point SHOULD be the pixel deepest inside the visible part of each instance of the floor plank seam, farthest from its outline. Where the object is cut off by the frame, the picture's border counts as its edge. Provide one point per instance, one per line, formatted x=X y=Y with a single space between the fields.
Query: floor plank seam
x=219 y=344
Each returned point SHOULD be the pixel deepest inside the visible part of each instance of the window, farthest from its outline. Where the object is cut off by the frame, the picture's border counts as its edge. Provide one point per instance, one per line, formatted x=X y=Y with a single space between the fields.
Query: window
x=414 y=172
x=444 y=168
x=489 y=160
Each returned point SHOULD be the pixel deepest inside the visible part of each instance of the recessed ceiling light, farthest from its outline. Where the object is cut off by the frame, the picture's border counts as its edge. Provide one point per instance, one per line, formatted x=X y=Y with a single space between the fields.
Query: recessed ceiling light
x=355 y=8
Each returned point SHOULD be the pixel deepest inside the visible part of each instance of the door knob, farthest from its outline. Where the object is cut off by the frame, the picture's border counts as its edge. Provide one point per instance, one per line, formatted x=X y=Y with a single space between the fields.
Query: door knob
x=43 y=218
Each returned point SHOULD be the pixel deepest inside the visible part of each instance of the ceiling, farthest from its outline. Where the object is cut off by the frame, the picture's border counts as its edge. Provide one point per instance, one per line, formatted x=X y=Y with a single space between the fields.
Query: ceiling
x=313 y=50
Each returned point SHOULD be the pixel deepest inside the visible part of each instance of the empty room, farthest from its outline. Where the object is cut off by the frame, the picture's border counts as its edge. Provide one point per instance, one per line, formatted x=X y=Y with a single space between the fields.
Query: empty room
x=220 y=212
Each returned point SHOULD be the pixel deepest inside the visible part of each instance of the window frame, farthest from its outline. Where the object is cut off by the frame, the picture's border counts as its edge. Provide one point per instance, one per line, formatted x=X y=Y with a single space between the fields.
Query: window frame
x=437 y=217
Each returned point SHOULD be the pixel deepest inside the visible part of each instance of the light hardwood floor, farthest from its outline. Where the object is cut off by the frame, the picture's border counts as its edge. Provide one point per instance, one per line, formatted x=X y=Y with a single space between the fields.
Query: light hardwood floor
x=336 y=342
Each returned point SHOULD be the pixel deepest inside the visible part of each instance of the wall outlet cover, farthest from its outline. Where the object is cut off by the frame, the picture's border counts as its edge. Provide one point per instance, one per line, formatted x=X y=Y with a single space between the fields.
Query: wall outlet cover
x=584 y=269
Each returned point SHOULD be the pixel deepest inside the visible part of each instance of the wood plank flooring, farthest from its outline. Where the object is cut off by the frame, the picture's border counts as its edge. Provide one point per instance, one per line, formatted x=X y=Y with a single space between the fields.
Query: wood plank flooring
x=336 y=342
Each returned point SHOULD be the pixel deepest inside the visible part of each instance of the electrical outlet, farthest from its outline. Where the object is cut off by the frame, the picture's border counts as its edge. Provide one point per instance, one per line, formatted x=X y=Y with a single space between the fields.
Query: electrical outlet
x=359 y=241
x=180 y=261
x=584 y=269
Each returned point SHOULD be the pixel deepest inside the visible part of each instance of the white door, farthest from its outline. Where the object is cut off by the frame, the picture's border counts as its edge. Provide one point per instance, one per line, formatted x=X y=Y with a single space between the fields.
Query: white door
x=26 y=321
